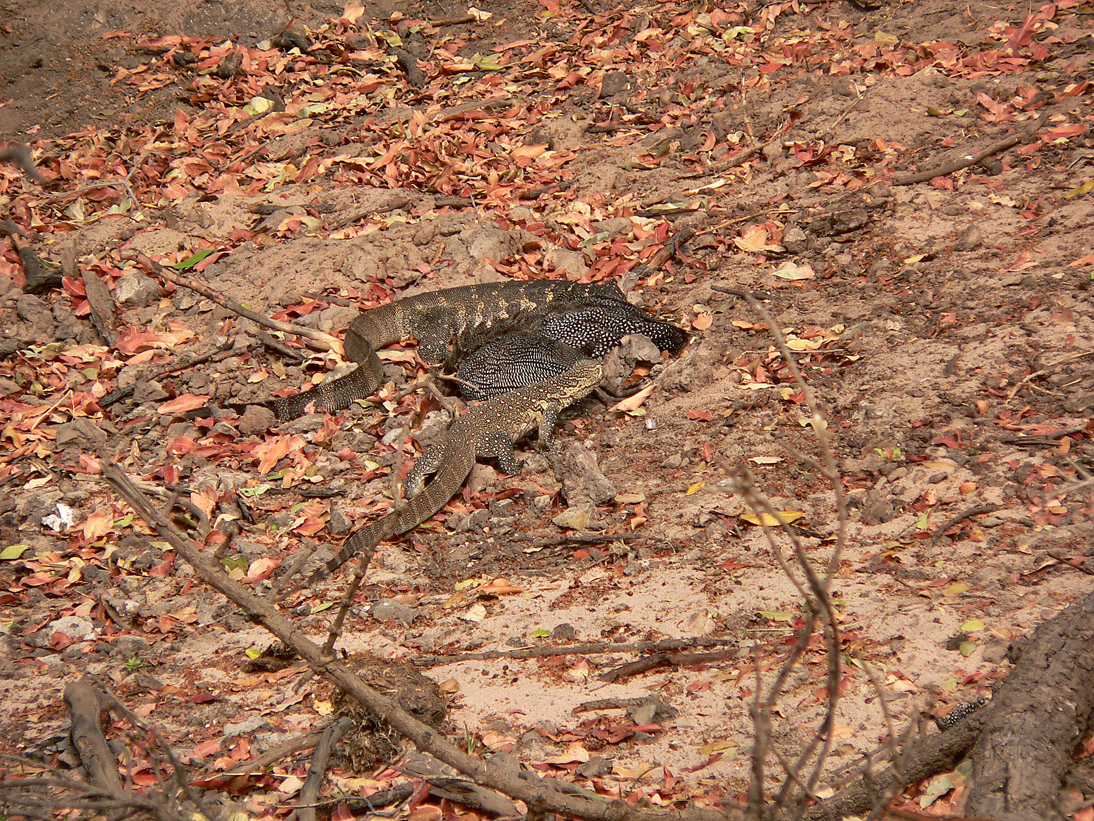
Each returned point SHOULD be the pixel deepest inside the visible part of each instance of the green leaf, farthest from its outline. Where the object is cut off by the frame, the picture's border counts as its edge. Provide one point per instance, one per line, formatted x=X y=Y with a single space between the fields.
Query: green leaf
x=541 y=634
x=777 y=615
x=252 y=653
x=13 y=551
x=124 y=521
x=972 y=626
x=488 y=63
x=191 y=261
x=967 y=648
x=1082 y=188
x=234 y=562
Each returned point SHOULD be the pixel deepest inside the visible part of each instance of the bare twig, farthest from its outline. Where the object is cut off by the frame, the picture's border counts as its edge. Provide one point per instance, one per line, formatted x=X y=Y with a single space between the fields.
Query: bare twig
x=960 y=517
x=663 y=646
x=329 y=342
x=309 y=793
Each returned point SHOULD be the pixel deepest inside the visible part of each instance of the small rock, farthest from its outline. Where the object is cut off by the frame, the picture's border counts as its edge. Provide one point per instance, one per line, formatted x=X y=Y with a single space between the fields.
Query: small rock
x=135 y=290
x=35 y=313
x=577 y=517
x=391 y=610
x=572 y=263
x=8 y=387
x=773 y=151
x=80 y=432
x=149 y=391
x=581 y=476
x=564 y=632
x=970 y=240
x=795 y=240
x=643 y=713
x=129 y=646
x=339 y=523
x=614 y=82
x=876 y=509
x=256 y=419
x=594 y=768
x=75 y=627
x=482 y=477
x=147 y=682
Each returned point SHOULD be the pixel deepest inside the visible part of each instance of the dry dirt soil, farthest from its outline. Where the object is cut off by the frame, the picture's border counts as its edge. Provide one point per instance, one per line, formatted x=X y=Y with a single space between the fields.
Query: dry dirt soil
x=945 y=327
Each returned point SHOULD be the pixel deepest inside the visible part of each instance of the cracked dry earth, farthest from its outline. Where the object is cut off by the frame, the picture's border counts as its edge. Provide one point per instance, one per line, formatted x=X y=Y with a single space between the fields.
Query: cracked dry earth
x=946 y=330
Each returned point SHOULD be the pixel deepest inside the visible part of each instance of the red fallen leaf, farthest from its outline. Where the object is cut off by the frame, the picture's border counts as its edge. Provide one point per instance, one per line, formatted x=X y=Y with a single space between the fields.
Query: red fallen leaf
x=182 y=404
x=145 y=778
x=700 y=416
x=59 y=641
x=203 y=698
x=711 y=759
x=181 y=446
x=1063 y=132
x=73 y=287
x=165 y=567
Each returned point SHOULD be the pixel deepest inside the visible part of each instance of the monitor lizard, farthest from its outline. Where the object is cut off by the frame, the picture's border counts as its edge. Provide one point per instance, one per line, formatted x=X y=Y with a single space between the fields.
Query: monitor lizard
x=443 y=321
x=488 y=429
x=547 y=344
x=447 y=323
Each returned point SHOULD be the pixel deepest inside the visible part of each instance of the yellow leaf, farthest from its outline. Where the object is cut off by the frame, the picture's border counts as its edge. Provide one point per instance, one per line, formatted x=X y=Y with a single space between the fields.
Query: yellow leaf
x=794 y=272
x=957 y=588
x=696 y=487
x=717 y=747
x=634 y=402
x=767 y=520
x=575 y=754
x=796 y=343
x=1084 y=187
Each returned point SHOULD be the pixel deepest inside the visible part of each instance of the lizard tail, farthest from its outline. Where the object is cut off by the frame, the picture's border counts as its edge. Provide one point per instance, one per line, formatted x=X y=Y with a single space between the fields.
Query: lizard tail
x=333 y=394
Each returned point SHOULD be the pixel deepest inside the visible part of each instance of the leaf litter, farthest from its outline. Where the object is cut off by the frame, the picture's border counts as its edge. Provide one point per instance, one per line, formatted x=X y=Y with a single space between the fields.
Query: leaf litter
x=880 y=301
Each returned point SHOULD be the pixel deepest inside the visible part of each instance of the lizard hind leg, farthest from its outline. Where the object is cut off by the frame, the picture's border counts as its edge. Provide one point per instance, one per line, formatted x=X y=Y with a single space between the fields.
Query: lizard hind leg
x=498 y=444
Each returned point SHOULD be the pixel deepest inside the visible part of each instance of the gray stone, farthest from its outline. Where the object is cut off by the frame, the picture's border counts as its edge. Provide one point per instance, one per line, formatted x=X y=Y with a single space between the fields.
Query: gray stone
x=149 y=391
x=75 y=627
x=129 y=646
x=795 y=240
x=577 y=517
x=35 y=313
x=255 y=420
x=80 y=432
x=391 y=610
x=339 y=523
x=614 y=82
x=582 y=479
x=594 y=768
x=564 y=632
x=136 y=290
x=876 y=509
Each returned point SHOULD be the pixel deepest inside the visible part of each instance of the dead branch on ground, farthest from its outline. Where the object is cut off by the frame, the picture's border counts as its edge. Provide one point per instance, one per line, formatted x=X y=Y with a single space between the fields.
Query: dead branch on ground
x=541 y=796
x=663 y=646
x=325 y=340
